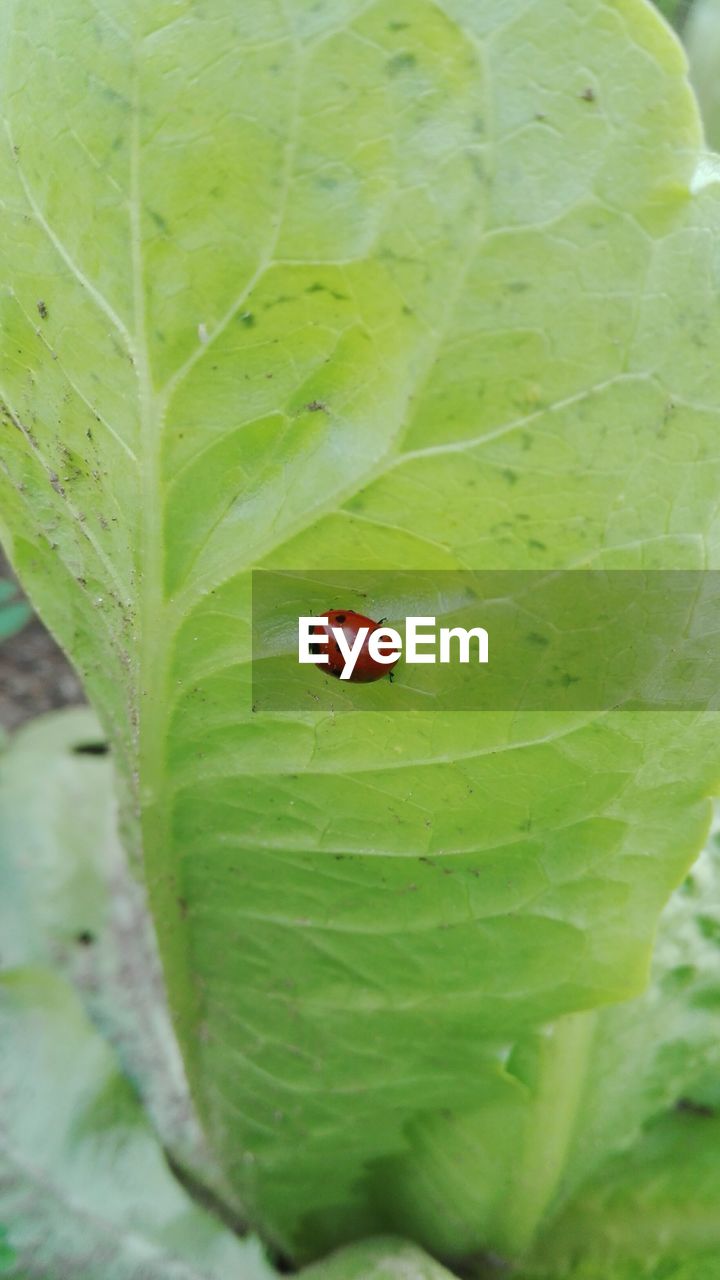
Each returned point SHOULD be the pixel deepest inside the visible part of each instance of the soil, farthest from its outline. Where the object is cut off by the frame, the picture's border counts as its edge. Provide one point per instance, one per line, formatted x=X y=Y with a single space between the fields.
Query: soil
x=35 y=675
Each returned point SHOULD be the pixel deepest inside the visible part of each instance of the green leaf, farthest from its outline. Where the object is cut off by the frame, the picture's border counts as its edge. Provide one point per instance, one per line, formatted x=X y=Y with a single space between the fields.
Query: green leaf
x=642 y=1056
x=582 y=1089
x=650 y=1053
x=84 y=1188
x=702 y=41
x=474 y=234
x=7 y=1254
x=652 y=1215
x=14 y=611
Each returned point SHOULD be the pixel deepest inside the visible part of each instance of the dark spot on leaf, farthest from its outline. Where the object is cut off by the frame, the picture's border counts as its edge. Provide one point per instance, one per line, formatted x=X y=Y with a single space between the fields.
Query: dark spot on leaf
x=247 y=318
x=316 y=406
x=317 y=287
x=534 y=637
x=42 y=309
x=85 y=938
x=694 y=1108
x=401 y=62
x=588 y=94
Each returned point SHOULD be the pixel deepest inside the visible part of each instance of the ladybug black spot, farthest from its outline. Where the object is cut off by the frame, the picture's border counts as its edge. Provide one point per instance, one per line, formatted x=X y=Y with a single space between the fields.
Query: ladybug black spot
x=340 y=618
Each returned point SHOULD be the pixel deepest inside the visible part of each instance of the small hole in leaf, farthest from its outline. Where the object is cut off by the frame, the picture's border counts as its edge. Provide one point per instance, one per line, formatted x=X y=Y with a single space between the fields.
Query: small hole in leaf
x=91 y=749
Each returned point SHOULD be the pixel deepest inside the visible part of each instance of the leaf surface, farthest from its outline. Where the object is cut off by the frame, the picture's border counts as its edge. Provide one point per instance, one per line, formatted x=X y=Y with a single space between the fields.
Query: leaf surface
x=582 y=1090
x=428 y=285
x=652 y=1215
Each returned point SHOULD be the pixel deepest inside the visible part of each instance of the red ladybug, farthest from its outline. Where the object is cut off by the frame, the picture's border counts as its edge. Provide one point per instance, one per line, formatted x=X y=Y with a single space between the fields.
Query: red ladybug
x=366 y=669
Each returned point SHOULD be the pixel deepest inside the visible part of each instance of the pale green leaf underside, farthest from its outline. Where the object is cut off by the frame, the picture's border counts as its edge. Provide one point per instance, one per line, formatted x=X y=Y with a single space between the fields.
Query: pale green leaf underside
x=466 y=230
x=84 y=1187
x=69 y=903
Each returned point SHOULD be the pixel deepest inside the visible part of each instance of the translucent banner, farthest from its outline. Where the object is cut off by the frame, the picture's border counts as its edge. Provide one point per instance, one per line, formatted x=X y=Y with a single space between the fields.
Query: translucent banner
x=578 y=640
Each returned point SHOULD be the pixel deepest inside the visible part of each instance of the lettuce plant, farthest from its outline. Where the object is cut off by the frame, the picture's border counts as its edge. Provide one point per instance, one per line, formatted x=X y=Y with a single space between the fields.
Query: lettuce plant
x=430 y=285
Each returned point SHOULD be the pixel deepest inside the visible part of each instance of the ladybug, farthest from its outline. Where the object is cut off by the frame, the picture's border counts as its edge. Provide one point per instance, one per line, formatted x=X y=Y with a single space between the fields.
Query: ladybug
x=366 y=668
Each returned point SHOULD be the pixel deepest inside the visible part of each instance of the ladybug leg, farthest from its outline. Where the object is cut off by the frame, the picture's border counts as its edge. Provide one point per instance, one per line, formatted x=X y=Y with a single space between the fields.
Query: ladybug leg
x=391 y=676
x=381 y=620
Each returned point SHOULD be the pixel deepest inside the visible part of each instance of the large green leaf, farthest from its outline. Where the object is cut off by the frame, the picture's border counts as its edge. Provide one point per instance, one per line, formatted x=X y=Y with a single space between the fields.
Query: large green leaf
x=421 y=284
x=643 y=1055
x=653 y=1215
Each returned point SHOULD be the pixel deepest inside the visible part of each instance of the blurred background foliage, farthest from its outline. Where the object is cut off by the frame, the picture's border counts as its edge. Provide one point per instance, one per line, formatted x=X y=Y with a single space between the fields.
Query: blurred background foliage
x=697 y=22
x=700 y=30
x=14 y=609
